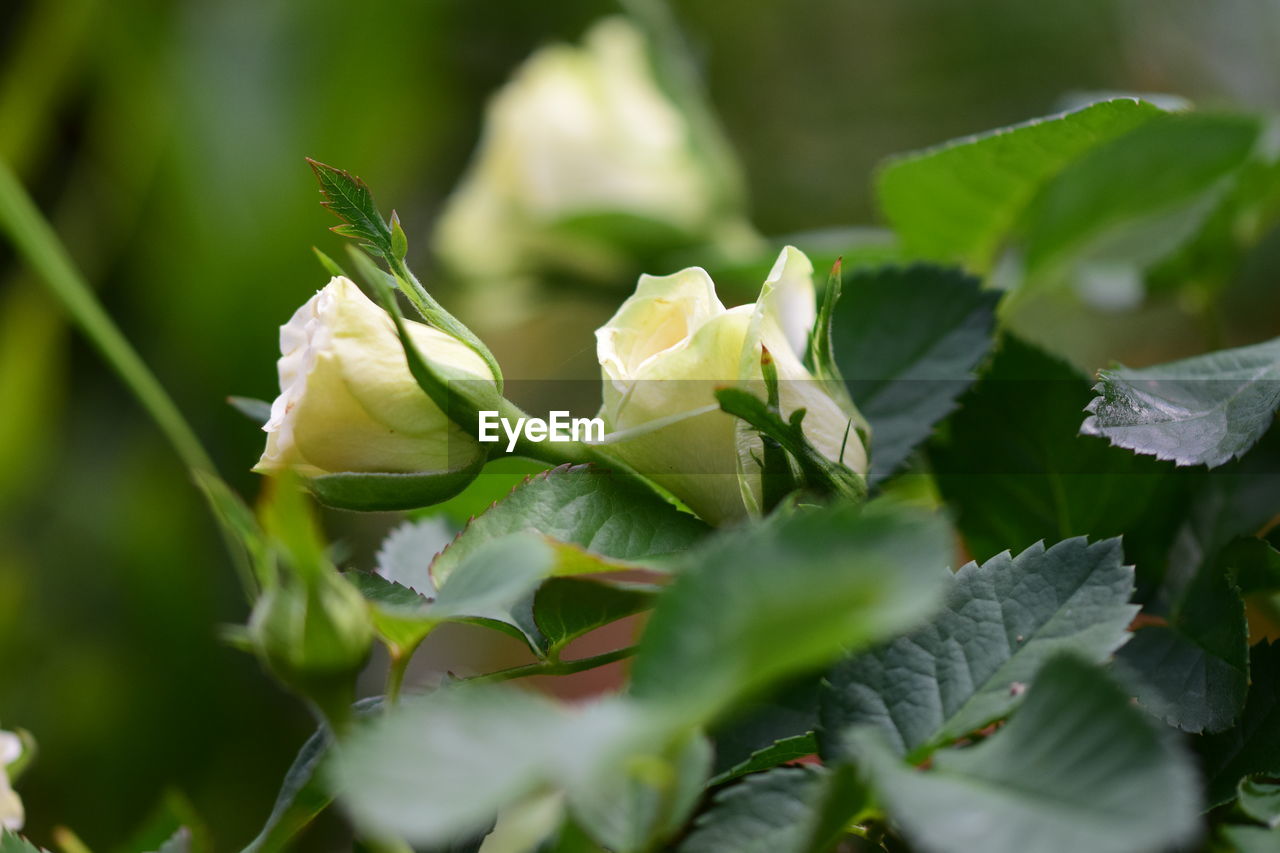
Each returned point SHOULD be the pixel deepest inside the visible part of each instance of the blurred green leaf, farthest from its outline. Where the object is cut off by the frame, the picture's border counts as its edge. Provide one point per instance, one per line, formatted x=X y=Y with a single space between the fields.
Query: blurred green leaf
x=1001 y=621
x=596 y=522
x=1251 y=839
x=786 y=810
x=1137 y=197
x=1252 y=745
x=488 y=587
x=1205 y=410
x=906 y=340
x=1014 y=468
x=958 y=202
x=12 y=842
x=1077 y=768
x=756 y=605
x=646 y=799
x=258 y=411
x=439 y=767
x=1260 y=800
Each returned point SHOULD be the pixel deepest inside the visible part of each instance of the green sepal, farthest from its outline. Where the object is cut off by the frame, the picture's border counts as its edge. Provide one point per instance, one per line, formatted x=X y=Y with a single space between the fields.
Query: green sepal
x=385 y=492
x=819 y=472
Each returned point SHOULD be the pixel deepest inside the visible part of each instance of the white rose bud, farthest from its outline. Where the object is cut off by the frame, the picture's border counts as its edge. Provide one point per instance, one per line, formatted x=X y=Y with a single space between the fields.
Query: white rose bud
x=579 y=131
x=347 y=399
x=673 y=343
x=12 y=814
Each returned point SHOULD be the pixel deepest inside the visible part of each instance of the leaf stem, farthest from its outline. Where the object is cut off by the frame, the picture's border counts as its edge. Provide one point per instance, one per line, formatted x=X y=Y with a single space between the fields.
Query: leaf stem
x=44 y=253
x=567 y=667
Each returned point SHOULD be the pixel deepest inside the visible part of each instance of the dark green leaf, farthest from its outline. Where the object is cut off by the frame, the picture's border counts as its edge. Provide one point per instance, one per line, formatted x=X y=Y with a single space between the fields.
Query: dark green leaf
x=1260 y=800
x=1137 y=197
x=1077 y=768
x=1000 y=622
x=565 y=609
x=374 y=492
x=302 y=796
x=1252 y=746
x=1205 y=410
x=756 y=606
x=1015 y=470
x=787 y=810
x=906 y=342
x=1194 y=671
x=771 y=731
x=598 y=520
x=349 y=199
x=960 y=201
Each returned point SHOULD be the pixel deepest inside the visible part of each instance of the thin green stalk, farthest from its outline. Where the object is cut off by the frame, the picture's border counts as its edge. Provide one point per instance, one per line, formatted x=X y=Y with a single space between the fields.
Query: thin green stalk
x=35 y=241
x=568 y=667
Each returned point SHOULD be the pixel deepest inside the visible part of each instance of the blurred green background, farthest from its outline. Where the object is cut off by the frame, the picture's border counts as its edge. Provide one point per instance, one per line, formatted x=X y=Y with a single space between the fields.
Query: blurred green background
x=166 y=140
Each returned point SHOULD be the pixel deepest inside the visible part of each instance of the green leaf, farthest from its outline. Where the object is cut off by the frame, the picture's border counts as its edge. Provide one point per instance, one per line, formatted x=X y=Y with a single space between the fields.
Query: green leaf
x=258 y=411
x=1014 y=469
x=1251 y=839
x=378 y=492
x=1205 y=410
x=565 y=609
x=405 y=555
x=438 y=768
x=1251 y=746
x=1260 y=800
x=303 y=793
x=647 y=798
x=755 y=606
x=595 y=521
x=787 y=810
x=302 y=796
x=1077 y=768
x=906 y=341
x=487 y=588
x=770 y=731
x=960 y=201
x=348 y=198
x=1137 y=197
x=1001 y=621
x=12 y=842
x=1194 y=671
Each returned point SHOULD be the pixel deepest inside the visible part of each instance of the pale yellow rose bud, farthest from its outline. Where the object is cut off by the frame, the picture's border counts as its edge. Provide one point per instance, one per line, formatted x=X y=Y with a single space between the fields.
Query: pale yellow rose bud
x=673 y=343
x=12 y=814
x=348 y=401
x=581 y=131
